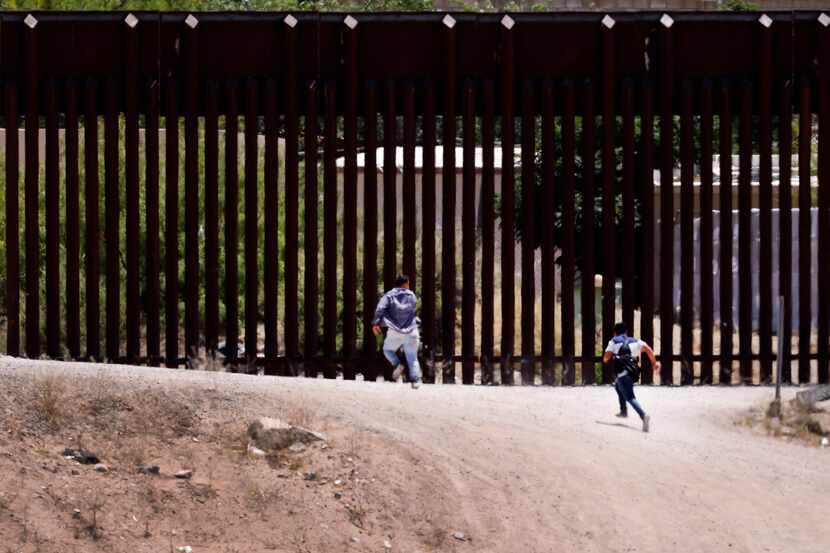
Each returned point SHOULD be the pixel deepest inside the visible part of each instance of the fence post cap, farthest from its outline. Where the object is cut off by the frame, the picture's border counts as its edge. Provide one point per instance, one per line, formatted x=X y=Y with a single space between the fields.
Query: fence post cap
x=350 y=22
x=765 y=20
x=30 y=21
x=824 y=19
x=290 y=20
x=449 y=21
x=191 y=21
x=608 y=22
x=667 y=21
x=508 y=22
x=131 y=21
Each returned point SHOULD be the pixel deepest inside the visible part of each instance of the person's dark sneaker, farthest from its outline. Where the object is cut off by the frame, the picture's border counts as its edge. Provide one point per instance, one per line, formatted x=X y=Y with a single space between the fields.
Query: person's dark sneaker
x=397 y=373
x=416 y=384
x=646 y=421
x=621 y=415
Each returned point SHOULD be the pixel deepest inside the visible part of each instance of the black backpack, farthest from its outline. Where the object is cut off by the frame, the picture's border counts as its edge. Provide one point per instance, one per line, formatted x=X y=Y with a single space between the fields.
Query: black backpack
x=625 y=361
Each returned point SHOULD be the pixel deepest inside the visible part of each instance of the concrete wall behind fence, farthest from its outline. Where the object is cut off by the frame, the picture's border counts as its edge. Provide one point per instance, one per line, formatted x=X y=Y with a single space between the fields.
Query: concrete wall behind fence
x=736 y=283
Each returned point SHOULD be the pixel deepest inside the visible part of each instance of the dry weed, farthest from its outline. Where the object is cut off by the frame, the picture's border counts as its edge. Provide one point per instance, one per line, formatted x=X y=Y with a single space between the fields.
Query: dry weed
x=205 y=362
x=101 y=394
x=7 y=499
x=300 y=414
x=50 y=398
x=232 y=437
x=357 y=509
x=134 y=451
x=260 y=499
x=202 y=493
x=150 y=496
x=90 y=524
x=13 y=425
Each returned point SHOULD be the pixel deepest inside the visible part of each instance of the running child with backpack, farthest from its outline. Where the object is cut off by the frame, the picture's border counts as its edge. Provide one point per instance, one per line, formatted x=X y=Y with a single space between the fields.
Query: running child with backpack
x=625 y=352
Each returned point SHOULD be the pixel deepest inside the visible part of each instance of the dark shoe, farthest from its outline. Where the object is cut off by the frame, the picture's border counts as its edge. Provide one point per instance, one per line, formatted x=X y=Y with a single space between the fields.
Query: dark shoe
x=621 y=415
x=646 y=421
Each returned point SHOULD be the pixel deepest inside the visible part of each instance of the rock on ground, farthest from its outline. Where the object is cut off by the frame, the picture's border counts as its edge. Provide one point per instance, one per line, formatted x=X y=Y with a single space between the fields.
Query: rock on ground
x=814 y=395
x=270 y=434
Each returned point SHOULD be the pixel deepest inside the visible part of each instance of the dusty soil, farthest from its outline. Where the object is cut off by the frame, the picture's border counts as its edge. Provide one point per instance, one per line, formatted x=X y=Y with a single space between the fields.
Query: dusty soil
x=514 y=469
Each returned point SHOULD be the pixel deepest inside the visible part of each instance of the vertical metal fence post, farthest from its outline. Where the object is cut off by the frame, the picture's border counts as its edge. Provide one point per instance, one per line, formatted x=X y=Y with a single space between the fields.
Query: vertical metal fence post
x=548 y=202
x=609 y=174
x=291 y=267
x=765 y=311
x=666 y=74
x=569 y=232
x=686 y=234
x=824 y=201
x=370 y=237
x=725 y=261
x=171 y=231
x=32 y=178
x=270 y=258
x=151 y=137
x=646 y=187
x=52 y=186
x=131 y=184
x=468 y=236
x=508 y=267
x=428 y=316
x=785 y=260
x=805 y=139
x=12 y=159
x=73 y=268
x=589 y=330
x=251 y=222
x=112 y=209
x=706 y=238
x=231 y=223
x=745 y=234
x=311 y=301
x=528 y=199
x=488 y=253
x=350 y=202
x=330 y=230
x=191 y=189
x=390 y=186
x=409 y=232
x=211 y=218
x=628 y=172
x=92 y=238
x=448 y=208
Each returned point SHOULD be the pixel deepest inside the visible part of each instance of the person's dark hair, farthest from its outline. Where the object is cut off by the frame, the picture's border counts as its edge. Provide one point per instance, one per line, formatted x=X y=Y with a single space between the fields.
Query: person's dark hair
x=620 y=329
x=401 y=280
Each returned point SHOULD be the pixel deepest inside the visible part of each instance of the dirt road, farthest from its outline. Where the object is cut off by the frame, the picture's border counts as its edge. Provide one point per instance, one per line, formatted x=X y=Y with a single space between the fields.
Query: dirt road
x=541 y=469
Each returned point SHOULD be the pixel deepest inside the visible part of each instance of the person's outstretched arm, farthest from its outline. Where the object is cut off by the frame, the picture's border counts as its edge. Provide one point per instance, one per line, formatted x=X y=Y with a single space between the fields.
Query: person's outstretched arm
x=380 y=313
x=650 y=353
x=609 y=353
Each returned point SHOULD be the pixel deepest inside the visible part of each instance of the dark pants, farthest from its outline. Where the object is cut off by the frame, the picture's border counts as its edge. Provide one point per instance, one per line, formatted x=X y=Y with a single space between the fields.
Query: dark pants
x=625 y=392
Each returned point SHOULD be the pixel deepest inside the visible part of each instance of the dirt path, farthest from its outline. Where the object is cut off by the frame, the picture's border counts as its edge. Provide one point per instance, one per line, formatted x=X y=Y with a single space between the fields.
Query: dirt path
x=539 y=469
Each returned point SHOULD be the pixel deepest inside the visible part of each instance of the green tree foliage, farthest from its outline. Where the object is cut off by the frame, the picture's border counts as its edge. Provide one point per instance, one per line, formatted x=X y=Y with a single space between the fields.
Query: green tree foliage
x=218 y=5
x=739 y=6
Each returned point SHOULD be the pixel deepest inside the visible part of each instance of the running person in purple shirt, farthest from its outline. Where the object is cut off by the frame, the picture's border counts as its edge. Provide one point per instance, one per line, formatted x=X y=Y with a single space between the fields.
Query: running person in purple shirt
x=625 y=352
x=396 y=311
